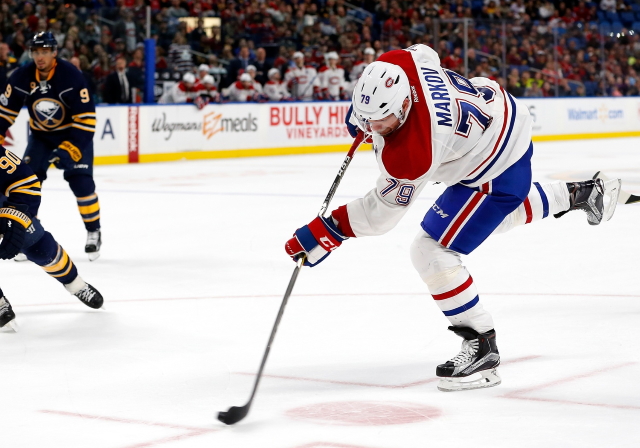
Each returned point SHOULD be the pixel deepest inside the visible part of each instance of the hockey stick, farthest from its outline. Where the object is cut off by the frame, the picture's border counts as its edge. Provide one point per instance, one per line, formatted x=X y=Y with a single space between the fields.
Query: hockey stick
x=235 y=413
x=625 y=197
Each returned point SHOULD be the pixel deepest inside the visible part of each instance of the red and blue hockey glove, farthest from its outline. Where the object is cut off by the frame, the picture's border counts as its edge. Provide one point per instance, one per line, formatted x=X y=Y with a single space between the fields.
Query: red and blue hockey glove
x=316 y=240
x=14 y=223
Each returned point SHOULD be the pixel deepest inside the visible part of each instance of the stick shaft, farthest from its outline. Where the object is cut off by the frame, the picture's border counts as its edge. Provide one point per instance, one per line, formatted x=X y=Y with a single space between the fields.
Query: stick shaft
x=300 y=263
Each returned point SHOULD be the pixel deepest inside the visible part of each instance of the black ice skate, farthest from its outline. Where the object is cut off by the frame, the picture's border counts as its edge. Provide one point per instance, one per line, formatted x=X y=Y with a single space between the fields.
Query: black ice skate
x=7 y=316
x=87 y=294
x=92 y=247
x=90 y=296
x=479 y=354
x=589 y=196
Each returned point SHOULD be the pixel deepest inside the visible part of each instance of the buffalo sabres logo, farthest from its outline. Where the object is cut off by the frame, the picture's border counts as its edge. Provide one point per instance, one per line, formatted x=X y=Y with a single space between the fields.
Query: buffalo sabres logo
x=48 y=112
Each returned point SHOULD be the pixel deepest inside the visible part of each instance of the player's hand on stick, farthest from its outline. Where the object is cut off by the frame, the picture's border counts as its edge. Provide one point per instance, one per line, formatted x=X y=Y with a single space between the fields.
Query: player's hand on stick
x=14 y=223
x=315 y=240
x=64 y=158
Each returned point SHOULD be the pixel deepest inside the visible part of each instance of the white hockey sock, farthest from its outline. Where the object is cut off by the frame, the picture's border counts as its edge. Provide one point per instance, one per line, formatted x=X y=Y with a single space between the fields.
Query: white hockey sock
x=543 y=200
x=458 y=299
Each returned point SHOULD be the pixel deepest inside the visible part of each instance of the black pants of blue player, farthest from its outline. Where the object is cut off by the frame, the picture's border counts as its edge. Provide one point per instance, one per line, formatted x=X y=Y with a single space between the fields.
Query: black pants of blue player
x=79 y=177
x=41 y=248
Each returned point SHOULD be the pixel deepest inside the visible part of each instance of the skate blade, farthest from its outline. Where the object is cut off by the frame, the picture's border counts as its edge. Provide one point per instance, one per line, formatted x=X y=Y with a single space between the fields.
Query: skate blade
x=10 y=327
x=488 y=378
x=611 y=195
x=93 y=256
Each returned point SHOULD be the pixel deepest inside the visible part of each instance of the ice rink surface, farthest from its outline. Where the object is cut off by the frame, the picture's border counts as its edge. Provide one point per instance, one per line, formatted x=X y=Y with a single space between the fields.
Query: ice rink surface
x=193 y=271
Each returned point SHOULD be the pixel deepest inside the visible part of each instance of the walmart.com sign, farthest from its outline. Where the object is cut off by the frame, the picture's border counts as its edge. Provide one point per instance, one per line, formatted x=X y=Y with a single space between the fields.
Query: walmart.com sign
x=602 y=113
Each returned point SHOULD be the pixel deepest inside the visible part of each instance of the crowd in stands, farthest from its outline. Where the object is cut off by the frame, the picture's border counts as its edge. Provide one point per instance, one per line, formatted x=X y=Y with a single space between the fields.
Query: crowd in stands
x=279 y=50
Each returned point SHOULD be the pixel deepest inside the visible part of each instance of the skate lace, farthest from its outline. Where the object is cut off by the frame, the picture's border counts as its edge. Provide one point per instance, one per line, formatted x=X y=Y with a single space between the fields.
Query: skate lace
x=467 y=352
x=86 y=294
x=92 y=238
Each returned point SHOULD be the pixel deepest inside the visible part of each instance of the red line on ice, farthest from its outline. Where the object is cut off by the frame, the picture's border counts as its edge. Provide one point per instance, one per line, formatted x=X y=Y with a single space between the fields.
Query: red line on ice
x=517 y=394
x=193 y=431
x=383 y=386
x=362 y=294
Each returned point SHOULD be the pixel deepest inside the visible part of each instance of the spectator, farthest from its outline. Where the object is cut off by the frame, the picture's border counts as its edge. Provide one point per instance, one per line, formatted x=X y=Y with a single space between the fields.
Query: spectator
x=135 y=69
x=239 y=63
x=125 y=29
x=180 y=58
x=117 y=87
x=533 y=91
x=7 y=63
x=261 y=65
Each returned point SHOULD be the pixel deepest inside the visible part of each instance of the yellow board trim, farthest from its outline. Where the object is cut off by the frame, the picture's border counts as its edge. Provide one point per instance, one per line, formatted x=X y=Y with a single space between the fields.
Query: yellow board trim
x=110 y=160
x=197 y=155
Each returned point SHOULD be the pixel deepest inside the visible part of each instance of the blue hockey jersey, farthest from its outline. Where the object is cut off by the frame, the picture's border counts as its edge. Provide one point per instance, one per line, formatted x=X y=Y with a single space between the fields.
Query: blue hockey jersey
x=60 y=107
x=18 y=183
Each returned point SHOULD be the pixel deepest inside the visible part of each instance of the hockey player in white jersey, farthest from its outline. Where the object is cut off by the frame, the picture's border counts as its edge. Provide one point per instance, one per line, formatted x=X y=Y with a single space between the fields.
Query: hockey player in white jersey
x=302 y=81
x=332 y=80
x=275 y=89
x=358 y=67
x=431 y=124
x=243 y=90
x=252 y=71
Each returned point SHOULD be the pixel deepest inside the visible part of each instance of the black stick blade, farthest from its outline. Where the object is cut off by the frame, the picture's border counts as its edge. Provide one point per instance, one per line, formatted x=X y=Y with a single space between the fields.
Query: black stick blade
x=233 y=415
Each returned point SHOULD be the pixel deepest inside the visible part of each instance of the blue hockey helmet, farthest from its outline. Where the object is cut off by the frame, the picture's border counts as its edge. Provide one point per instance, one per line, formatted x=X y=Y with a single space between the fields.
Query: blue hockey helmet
x=43 y=39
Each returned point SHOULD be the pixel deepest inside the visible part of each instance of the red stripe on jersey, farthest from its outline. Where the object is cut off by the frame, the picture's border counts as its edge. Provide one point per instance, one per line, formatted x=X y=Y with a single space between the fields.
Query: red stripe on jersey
x=454 y=291
x=407 y=152
x=504 y=126
x=461 y=218
x=485 y=188
x=342 y=216
x=527 y=209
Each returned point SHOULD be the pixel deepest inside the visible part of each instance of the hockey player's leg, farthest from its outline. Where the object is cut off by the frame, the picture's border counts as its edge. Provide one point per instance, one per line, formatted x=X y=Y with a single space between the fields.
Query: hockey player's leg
x=49 y=255
x=83 y=188
x=596 y=197
x=457 y=297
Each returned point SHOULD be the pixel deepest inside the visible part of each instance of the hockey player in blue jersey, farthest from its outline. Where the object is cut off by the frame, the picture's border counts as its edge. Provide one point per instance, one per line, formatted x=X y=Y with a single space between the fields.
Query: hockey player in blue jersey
x=62 y=123
x=21 y=231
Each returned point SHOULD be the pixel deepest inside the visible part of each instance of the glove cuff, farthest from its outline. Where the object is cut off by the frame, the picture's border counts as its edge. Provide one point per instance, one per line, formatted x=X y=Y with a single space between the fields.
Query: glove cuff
x=15 y=215
x=72 y=149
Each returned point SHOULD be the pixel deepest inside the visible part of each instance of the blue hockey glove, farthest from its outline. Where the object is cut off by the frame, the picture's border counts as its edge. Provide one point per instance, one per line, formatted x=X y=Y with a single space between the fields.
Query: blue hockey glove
x=315 y=240
x=352 y=128
x=14 y=223
x=65 y=156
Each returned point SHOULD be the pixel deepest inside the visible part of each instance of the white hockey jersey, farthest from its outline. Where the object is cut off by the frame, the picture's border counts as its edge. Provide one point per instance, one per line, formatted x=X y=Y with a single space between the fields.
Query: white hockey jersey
x=332 y=81
x=458 y=130
x=356 y=71
x=237 y=92
x=276 y=91
x=303 y=82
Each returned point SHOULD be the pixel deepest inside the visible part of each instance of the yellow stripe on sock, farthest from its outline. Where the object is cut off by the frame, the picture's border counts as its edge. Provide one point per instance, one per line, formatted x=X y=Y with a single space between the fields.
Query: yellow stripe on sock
x=87 y=209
